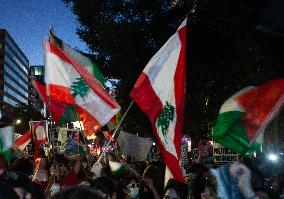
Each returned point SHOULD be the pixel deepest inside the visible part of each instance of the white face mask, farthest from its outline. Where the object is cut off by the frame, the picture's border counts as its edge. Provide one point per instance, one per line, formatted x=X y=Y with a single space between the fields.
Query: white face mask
x=55 y=188
x=133 y=192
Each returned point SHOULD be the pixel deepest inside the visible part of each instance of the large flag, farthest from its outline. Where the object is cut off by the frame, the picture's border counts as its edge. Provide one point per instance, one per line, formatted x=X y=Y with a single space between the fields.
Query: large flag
x=244 y=116
x=70 y=83
x=61 y=112
x=160 y=93
x=84 y=61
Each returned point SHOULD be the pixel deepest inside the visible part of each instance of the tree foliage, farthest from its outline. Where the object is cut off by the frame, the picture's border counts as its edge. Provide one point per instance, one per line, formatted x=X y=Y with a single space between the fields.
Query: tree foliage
x=25 y=113
x=225 y=53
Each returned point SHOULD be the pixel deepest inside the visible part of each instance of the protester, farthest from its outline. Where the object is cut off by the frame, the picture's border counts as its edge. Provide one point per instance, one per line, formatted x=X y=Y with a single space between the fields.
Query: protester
x=7 y=192
x=76 y=192
x=152 y=183
x=61 y=174
x=175 y=190
x=104 y=187
x=129 y=188
x=19 y=182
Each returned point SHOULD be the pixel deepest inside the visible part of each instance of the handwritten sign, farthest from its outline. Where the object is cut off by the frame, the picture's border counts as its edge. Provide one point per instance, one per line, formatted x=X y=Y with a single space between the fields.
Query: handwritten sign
x=223 y=155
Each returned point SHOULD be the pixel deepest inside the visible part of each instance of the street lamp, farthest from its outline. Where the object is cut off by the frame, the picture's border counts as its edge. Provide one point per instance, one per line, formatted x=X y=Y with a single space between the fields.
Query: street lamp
x=18 y=121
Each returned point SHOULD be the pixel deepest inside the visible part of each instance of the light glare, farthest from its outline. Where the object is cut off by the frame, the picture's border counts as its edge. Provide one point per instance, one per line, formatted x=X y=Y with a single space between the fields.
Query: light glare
x=272 y=157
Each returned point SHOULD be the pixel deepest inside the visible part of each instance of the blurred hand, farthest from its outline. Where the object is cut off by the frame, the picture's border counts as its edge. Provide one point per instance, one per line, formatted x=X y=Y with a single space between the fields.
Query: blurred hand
x=54 y=171
x=243 y=175
x=149 y=183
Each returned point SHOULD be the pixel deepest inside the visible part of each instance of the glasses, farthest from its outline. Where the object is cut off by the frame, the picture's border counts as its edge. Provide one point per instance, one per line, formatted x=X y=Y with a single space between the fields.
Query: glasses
x=133 y=185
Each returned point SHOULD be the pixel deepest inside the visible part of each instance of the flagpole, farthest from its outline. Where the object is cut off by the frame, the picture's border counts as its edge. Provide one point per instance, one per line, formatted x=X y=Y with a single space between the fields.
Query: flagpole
x=116 y=130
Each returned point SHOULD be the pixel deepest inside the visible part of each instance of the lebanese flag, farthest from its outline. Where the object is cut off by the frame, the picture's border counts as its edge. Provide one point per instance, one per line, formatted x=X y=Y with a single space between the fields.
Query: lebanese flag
x=22 y=142
x=84 y=61
x=244 y=116
x=160 y=93
x=61 y=112
x=70 y=83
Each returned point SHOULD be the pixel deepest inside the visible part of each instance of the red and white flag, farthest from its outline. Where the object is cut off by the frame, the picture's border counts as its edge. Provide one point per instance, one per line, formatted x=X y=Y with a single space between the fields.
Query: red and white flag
x=70 y=83
x=160 y=93
x=40 y=131
x=22 y=142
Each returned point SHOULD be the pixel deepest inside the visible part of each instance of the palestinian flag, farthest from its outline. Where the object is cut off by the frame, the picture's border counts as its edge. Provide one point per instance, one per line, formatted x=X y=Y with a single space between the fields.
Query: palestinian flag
x=244 y=116
x=160 y=93
x=6 y=141
x=70 y=83
x=116 y=167
x=22 y=142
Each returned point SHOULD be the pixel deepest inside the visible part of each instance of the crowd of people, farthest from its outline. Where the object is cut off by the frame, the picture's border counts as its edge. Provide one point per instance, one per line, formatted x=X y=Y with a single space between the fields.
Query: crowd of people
x=59 y=176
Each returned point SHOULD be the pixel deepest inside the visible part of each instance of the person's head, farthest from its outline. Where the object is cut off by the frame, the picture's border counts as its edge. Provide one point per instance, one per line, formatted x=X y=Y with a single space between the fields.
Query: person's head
x=7 y=192
x=175 y=190
x=104 y=187
x=156 y=175
x=23 y=164
x=40 y=163
x=204 y=186
x=19 y=182
x=61 y=166
x=76 y=192
x=130 y=187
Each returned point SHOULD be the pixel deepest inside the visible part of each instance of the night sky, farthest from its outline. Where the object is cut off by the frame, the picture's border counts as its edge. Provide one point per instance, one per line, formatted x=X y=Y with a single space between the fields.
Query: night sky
x=28 y=22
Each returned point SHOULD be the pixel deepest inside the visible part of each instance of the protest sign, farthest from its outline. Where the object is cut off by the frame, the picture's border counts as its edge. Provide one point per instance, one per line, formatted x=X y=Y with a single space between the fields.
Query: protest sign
x=194 y=155
x=68 y=140
x=223 y=155
x=133 y=145
x=184 y=163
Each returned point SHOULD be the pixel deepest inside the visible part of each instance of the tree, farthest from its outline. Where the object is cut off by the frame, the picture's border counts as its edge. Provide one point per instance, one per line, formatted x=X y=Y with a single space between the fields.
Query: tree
x=225 y=51
x=24 y=114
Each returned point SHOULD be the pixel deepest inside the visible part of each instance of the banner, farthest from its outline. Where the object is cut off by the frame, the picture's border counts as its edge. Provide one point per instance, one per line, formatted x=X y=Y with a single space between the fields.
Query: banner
x=184 y=162
x=223 y=155
x=53 y=137
x=40 y=131
x=133 y=145
x=68 y=140
x=194 y=155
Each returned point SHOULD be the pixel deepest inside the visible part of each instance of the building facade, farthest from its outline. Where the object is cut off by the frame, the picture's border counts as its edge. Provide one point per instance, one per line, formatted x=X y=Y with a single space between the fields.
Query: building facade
x=14 y=74
x=37 y=72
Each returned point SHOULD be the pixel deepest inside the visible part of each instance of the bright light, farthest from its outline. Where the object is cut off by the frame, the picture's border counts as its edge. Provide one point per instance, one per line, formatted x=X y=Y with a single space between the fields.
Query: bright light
x=272 y=157
x=154 y=143
x=18 y=121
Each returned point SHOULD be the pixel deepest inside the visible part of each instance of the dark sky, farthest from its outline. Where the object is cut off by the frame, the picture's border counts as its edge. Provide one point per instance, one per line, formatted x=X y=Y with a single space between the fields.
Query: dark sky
x=28 y=22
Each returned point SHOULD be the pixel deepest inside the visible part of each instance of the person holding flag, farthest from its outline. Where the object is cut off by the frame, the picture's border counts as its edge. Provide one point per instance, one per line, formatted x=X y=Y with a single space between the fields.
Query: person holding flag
x=160 y=93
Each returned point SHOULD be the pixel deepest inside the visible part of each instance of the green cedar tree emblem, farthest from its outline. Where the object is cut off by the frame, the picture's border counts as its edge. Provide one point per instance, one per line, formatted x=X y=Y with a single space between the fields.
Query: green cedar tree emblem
x=80 y=87
x=166 y=116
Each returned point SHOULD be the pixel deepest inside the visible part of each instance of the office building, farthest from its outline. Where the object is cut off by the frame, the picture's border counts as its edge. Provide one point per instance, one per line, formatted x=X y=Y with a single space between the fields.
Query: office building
x=14 y=73
x=37 y=72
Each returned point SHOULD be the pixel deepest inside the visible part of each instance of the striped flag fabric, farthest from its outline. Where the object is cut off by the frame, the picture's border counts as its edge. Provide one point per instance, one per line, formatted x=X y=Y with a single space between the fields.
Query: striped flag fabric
x=22 y=142
x=245 y=115
x=160 y=93
x=71 y=83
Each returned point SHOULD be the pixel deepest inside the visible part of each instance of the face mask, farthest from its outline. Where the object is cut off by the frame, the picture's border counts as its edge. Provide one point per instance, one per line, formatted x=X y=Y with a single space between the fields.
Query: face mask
x=55 y=188
x=133 y=192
